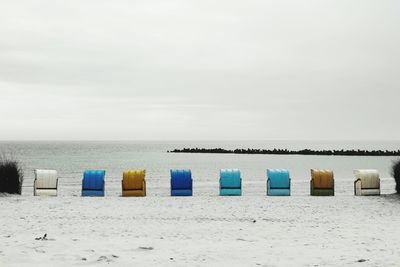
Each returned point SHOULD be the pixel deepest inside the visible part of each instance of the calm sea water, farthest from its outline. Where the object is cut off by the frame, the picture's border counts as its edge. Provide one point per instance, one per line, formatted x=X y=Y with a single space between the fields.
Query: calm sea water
x=70 y=159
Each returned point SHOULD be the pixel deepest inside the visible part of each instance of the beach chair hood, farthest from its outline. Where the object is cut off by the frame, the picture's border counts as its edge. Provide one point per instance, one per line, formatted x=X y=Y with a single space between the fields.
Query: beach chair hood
x=133 y=179
x=369 y=178
x=322 y=179
x=278 y=178
x=93 y=180
x=230 y=178
x=181 y=179
x=46 y=179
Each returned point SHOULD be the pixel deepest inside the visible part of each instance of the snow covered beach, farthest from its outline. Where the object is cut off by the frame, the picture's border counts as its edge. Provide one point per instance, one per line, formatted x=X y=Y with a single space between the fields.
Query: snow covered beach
x=200 y=231
x=227 y=103
x=203 y=230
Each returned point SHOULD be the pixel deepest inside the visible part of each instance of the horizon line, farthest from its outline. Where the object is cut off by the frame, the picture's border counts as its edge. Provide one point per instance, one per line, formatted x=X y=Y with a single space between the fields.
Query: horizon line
x=199 y=140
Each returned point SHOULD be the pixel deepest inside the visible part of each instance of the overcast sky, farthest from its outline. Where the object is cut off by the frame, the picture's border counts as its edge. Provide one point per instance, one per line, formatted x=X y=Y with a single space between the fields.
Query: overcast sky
x=205 y=69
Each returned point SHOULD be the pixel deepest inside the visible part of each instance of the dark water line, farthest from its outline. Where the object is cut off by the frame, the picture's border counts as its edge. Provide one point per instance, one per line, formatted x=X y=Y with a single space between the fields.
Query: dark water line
x=290 y=152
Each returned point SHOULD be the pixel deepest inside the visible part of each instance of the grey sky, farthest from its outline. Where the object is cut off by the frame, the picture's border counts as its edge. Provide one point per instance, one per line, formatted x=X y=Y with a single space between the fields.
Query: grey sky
x=199 y=69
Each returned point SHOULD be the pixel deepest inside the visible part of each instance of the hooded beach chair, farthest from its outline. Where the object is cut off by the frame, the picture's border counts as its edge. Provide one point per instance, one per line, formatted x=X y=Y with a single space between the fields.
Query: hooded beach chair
x=278 y=182
x=134 y=183
x=367 y=183
x=230 y=182
x=46 y=183
x=322 y=183
x=93 y=183
x=181 y=183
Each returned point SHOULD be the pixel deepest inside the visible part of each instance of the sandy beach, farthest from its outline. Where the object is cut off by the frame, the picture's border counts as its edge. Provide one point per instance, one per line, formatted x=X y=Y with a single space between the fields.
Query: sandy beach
x=200 y=231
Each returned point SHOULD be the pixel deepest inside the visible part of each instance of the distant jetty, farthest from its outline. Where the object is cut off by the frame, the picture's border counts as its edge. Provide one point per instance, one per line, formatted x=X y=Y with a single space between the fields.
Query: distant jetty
x=290 y=152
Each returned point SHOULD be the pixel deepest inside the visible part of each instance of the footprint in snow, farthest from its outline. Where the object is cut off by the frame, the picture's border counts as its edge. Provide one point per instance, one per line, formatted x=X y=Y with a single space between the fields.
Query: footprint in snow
x=146 y=248
x=104 y=258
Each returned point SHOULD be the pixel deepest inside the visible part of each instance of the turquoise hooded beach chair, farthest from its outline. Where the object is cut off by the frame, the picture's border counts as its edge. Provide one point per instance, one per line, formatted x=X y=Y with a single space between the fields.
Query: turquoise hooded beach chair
x=278 y=182
x=230 y=182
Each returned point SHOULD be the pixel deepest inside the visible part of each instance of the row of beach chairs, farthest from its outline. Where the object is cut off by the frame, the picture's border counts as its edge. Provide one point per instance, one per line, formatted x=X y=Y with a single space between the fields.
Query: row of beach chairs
x=367 y=182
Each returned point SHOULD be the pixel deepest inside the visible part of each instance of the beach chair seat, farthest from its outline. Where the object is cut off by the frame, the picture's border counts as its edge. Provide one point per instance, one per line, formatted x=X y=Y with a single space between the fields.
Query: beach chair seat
x=322 y=183
x=93 y=183
x=230 y=182
x=181 y=183
x=367 y=183
x=134 y=183
x=278 y=182
x=45 y=183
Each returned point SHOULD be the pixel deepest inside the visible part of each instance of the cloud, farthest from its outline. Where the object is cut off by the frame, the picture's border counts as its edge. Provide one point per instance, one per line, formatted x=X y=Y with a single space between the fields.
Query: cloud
x=198 y=70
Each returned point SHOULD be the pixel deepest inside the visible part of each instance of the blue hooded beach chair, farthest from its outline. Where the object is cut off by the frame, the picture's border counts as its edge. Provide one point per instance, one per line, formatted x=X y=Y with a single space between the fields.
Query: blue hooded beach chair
x=278 y=182
x=93 y=183
x=230 y=183
x=181 y=183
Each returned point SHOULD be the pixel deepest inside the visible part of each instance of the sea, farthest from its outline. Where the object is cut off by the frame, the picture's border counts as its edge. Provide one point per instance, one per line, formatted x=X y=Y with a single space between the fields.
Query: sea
x=71 y=158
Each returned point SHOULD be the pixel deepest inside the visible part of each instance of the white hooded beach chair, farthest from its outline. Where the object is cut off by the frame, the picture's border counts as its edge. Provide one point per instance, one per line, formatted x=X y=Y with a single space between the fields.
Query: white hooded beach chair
x=367 y=183
x=46 y=183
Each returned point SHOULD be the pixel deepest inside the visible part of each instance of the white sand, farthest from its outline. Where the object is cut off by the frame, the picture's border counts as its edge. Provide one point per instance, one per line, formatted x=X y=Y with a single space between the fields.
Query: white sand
x=200 y=231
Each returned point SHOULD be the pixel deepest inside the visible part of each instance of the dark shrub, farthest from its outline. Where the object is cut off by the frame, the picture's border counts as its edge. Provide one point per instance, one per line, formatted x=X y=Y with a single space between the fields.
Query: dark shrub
x=396 y=175
x=11 y=176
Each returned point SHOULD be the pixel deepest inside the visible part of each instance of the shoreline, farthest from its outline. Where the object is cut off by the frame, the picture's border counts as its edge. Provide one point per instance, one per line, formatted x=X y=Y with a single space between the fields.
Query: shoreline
x=303 y=152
